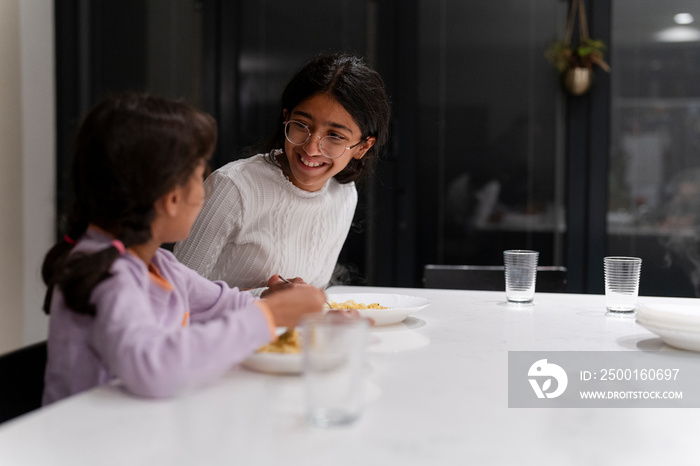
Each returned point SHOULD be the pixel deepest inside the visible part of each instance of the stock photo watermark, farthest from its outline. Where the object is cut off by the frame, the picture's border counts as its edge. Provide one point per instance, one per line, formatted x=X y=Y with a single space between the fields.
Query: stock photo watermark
x=603 y=379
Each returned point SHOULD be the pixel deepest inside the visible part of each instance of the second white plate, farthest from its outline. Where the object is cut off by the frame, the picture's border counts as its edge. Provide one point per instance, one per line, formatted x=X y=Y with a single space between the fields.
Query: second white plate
x=678 y=338
x=398 y=306
x=678 y=324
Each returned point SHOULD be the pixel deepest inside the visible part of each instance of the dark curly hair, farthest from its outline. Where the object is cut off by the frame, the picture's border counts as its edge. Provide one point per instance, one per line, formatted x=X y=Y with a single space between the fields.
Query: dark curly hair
x=130 y=150
x=357 y=87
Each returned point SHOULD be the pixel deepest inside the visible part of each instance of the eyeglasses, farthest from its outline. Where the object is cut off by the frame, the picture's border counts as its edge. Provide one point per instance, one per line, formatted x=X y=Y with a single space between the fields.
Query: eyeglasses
x=299 y=134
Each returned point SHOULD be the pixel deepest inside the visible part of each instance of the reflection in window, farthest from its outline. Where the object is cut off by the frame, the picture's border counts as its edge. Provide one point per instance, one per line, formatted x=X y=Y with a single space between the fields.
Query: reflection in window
x=654 y=183
x=490 y=117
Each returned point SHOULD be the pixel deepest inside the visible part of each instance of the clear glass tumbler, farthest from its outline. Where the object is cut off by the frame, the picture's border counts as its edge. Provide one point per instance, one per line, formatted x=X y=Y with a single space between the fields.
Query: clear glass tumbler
x=621 y=283
x=333 y=351
x=521 y=274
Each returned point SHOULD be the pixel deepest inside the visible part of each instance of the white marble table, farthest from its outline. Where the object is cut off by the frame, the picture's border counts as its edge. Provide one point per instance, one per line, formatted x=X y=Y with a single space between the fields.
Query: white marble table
x=438 y=396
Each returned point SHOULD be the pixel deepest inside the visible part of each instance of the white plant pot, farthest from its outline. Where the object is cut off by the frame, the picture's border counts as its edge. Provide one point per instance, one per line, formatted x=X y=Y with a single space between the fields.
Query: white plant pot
x=578 y=80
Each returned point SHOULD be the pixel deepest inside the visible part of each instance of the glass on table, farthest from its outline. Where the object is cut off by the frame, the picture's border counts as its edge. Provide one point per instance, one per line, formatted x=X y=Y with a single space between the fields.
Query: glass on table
x=334 y=355
x=520 y=274
x=621 y=283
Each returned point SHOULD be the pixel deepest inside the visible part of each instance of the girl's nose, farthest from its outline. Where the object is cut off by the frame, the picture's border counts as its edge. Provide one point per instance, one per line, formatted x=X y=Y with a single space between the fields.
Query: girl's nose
x=313 y=145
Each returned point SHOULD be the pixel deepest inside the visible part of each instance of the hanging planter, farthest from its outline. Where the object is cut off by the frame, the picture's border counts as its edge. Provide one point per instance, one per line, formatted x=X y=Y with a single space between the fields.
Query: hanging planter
x=578 y=79
x=575 y=62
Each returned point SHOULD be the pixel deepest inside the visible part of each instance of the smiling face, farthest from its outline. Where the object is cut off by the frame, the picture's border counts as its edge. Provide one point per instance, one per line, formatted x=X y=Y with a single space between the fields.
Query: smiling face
x=324 y=116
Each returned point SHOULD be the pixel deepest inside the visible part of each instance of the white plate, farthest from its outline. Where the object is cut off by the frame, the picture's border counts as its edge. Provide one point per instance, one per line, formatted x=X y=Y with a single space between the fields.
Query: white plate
x=680 y=315
x=274 y=363
x=678 y=324
x=678 y=338
x=399 y=306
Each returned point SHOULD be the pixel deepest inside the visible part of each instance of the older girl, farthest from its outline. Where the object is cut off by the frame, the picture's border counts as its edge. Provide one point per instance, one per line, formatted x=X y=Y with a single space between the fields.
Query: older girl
x=288 y=210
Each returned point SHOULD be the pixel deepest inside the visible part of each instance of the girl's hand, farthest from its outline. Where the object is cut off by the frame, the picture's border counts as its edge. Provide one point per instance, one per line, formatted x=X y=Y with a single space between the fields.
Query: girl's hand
x=290 y=304
x=275 y=284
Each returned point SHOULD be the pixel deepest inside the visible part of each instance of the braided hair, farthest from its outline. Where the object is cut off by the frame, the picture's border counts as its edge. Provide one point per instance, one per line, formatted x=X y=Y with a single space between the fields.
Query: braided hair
x=130 y=150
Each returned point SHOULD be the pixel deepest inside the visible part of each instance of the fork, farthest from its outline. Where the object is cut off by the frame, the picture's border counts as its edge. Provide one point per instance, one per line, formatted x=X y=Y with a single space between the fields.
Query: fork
x=288 y=333
x=287 y=281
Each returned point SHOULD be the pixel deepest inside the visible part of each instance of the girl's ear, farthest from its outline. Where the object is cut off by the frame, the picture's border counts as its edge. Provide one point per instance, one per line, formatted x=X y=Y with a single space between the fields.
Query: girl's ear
x=285 y=114
x=367 y=145
x=169 y=203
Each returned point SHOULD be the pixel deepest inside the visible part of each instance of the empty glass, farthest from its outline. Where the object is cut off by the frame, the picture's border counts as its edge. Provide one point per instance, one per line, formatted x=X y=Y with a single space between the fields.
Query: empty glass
x=333 y=356
x=622 y=283
x=521 y=273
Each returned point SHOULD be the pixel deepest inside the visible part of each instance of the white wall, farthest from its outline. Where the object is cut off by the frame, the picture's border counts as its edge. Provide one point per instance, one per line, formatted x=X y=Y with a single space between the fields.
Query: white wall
x=11 y=320
x=27 y=166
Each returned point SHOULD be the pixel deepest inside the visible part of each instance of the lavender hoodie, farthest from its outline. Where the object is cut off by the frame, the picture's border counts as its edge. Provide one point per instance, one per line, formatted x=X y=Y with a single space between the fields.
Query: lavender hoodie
x=158 y=329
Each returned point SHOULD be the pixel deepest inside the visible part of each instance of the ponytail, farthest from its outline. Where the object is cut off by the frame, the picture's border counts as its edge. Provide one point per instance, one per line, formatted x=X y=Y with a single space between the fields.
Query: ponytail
x=78 y=274
x=83 y=272
x=53 y=264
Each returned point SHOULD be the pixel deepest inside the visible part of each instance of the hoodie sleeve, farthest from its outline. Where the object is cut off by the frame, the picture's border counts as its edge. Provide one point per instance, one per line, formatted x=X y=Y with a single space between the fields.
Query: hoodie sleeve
x=155 y=358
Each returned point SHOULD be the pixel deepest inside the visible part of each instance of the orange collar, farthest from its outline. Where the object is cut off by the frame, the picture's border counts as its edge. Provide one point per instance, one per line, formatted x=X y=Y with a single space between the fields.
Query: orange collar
x=155 y=275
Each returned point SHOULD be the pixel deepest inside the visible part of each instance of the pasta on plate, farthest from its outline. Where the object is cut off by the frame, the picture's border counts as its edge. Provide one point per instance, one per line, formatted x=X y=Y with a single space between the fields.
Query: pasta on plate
x=350 y=304
x=385 y=308
x=287 y=343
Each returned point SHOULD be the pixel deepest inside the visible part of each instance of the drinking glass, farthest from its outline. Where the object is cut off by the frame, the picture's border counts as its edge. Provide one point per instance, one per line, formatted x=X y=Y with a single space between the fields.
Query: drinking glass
x=621 y=283
x=521 y=273
x=333 y=353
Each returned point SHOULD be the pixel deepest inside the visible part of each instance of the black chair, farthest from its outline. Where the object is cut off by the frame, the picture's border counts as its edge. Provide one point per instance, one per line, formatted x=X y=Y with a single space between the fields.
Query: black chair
x=22 y=380
x=550 y=279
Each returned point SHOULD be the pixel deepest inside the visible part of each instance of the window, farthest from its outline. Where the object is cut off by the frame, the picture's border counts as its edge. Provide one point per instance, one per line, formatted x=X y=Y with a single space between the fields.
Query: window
x=654 y=179
x=491 y=124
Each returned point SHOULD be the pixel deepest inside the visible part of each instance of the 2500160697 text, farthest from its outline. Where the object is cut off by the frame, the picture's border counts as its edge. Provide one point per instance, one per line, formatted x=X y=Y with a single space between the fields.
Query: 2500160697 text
x=631 y=374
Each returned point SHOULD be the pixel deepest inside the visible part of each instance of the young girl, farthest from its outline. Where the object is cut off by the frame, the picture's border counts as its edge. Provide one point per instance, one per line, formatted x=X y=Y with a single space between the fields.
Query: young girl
x=289 y=210
x=121 y=307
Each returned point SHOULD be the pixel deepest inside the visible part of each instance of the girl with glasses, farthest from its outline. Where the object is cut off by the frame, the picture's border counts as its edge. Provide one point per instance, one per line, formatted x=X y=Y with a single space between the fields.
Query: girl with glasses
x=288 y=210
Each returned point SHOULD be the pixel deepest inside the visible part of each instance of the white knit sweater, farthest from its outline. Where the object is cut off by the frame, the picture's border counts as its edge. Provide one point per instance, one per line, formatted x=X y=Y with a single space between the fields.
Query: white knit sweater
x=255 y=223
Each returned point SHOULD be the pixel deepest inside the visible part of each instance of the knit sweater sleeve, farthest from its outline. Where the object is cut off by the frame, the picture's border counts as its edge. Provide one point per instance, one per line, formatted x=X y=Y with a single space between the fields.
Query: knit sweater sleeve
x=216 y=224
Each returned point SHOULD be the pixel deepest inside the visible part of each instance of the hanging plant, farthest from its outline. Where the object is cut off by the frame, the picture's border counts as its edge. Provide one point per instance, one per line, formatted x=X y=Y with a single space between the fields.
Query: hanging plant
x=575 y=61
